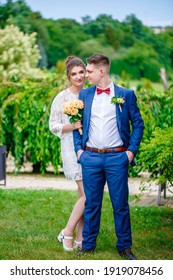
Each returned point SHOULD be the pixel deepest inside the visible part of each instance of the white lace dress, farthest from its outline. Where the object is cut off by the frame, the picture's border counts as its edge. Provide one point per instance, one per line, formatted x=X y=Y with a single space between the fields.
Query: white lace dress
x=57 y=119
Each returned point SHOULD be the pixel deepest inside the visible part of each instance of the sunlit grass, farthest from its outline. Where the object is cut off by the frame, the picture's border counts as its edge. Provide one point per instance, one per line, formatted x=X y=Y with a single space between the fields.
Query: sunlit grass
x=31 y=219
x=156 y=86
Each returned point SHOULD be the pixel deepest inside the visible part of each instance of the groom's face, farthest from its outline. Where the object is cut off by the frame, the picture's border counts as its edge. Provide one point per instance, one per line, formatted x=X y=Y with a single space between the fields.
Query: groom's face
x=93 y=74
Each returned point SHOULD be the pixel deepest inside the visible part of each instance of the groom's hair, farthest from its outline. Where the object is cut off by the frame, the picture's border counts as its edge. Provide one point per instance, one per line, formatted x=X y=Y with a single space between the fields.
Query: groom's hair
x=99 y=59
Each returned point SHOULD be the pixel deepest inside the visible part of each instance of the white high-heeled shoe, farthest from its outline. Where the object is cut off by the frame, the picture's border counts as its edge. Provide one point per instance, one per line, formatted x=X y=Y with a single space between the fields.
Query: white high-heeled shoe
x=61 y=237
x=76 y=244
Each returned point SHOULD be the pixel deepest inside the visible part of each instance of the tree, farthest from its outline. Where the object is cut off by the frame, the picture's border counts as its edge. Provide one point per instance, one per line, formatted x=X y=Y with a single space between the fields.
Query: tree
x=163 y=44
x=91 y=46
x=135 y=25
x=58 y=38
x=146 y=60
x=19 y=54
x=113 y=37
x=128 y=38
x=98 y=26
x=86 y=19
x=12 y=10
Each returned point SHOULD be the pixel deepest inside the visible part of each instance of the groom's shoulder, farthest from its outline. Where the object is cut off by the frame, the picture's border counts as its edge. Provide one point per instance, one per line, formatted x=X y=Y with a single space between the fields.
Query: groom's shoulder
x=86 y=90
x=120 y=89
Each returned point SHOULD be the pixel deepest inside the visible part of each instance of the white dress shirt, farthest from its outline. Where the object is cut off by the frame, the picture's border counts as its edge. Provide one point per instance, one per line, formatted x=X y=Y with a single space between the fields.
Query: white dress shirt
x=103 y=130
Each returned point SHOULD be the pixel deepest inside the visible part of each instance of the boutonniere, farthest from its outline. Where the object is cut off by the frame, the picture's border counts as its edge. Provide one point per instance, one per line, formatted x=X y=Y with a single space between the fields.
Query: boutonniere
x=118 y=100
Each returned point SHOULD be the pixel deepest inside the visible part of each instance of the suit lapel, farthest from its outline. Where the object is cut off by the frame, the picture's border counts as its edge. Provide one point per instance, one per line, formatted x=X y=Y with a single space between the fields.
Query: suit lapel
x=88 y=104
x=118 y=91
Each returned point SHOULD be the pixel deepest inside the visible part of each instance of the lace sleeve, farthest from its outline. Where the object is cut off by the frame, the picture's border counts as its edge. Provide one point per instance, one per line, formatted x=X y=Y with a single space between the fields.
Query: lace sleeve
x=56 y=120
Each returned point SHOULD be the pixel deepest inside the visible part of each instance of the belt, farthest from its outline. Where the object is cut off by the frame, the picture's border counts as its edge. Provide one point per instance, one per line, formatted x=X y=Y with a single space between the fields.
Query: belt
x=103 y=151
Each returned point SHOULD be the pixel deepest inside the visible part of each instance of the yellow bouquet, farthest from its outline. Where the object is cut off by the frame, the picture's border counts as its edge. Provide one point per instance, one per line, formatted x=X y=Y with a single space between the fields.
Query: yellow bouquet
x=73 y=108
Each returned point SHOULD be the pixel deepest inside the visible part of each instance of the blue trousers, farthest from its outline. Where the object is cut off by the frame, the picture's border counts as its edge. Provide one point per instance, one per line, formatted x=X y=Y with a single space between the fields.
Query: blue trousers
x=97 y=169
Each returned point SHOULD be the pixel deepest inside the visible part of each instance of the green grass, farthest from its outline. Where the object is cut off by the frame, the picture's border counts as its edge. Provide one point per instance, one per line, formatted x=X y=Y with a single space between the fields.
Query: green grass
x=156 y=86
x=31 y=219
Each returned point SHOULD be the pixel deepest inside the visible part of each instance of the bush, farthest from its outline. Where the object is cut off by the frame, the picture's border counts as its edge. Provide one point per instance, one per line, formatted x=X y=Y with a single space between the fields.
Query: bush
x=19 y=54
x=24 y=124
x=156 y=156
x=156 y=109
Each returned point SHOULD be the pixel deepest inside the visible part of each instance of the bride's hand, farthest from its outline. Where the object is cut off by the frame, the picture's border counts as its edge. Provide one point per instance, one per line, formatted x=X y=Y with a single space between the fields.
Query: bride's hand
x=77 y=125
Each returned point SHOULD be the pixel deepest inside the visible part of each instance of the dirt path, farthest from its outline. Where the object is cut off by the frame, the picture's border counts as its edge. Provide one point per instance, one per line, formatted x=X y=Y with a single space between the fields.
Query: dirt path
x=27 y=180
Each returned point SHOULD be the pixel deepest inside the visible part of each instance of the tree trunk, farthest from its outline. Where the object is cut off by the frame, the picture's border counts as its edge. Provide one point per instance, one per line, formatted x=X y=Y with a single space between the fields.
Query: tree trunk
x=164 y=79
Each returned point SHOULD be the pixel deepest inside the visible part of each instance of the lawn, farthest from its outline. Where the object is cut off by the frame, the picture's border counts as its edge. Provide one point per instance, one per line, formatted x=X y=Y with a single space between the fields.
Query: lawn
x=156 y=86
x=31 y=219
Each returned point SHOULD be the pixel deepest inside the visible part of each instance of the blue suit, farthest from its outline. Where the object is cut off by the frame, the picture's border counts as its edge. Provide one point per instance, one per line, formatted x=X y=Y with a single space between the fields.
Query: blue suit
x=110 y=167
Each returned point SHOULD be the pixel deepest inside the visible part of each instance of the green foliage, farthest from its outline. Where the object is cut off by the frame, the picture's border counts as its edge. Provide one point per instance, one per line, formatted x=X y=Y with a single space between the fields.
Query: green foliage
x=156 y=109
x=113 y=36
x=145 y=61
x=164 y=46
x=135 y=25
x=138 y=64
x=156 y=155
x=19 y=54
x=13 y=10
x=24 y=124
x=58 y=46
x=87 y=48
x=119 y=65
x=96 y=27
x=128 y=38
x=7 y=89
x=108 y=36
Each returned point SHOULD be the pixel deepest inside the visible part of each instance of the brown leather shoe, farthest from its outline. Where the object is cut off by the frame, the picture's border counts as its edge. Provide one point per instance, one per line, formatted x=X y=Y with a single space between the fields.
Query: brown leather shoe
x=84 y=251
x=127 y=253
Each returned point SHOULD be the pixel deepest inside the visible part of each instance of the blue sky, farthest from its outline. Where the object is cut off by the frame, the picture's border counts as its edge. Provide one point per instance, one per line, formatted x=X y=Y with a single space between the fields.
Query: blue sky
x=150 y=12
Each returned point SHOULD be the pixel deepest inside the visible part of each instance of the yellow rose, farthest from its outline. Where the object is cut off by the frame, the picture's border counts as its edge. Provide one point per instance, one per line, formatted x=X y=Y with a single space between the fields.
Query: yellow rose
x=79 y=104
x=72 y=103
x=74 y=112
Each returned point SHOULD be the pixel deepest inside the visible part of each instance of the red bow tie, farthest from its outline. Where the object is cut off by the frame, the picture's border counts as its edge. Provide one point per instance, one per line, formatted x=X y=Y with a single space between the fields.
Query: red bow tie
x=99 y=90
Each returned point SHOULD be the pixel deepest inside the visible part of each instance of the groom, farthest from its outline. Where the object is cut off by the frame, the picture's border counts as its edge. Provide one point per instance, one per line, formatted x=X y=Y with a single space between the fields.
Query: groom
x=111 y=137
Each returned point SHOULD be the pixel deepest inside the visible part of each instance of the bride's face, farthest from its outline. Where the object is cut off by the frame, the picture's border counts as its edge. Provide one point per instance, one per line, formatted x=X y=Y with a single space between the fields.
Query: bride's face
x=77 y=76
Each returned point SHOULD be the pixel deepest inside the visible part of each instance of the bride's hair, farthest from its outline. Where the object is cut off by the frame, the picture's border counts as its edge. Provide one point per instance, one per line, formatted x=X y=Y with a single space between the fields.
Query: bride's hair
x=72 y=61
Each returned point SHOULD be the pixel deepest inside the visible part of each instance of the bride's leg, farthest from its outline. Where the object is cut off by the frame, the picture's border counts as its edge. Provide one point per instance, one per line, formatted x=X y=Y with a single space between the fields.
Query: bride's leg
x=76 y=217
x=80 y=224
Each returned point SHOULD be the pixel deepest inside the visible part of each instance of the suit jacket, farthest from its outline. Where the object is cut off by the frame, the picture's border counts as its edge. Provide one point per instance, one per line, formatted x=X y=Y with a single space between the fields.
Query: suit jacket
x=129 y=120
